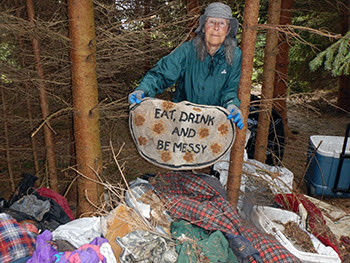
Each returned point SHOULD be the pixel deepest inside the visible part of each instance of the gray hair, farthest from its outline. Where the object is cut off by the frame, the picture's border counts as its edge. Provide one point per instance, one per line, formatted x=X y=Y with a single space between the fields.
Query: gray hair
x=230 y=44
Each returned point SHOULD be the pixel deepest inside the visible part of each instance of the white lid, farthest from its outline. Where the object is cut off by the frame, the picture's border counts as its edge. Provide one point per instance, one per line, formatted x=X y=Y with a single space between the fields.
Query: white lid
x=330 y=145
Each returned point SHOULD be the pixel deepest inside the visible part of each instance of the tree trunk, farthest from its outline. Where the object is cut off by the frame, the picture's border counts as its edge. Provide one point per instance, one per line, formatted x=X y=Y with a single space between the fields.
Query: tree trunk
x=268 y=81
x=29 y=106
x=50 y=153
x=193 y=10
x=85 y=103
x=344 y=81
x=282 y=62
x=147 y=26
x=7 y=141
x=71 y=193
x=33 y=140
x=250 y=18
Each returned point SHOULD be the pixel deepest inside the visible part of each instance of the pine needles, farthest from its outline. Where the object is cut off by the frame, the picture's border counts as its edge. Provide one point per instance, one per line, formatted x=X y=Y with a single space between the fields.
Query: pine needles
x=335 y=58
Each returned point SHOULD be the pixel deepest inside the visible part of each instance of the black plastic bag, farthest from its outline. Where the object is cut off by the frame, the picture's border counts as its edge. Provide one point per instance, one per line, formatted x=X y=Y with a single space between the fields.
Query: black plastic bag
x=276 y=140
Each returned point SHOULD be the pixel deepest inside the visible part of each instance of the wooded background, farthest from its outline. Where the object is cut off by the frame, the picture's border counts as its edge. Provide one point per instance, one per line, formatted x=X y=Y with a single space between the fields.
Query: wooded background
x=38 y=69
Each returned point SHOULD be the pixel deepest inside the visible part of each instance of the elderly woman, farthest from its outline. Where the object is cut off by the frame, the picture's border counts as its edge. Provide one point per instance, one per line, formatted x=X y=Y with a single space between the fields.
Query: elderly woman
x=206 y=69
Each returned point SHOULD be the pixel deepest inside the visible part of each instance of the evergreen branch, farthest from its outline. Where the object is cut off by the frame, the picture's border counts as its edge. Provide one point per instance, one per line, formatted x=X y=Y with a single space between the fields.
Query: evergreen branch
x=336 y=58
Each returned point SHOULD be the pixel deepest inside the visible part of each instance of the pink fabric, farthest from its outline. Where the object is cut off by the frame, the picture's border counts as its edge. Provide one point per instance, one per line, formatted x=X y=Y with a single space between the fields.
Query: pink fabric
x=46 y=253
x=75 y=258
x=46 y=192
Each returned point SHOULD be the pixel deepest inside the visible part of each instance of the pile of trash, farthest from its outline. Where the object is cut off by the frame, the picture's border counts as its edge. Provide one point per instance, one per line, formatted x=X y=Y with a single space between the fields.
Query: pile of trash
x=170 y=217
x=174 y=217
x=310 y=229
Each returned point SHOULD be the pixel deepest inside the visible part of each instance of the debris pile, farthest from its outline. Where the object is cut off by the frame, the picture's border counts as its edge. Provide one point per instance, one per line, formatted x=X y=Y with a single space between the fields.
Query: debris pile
x=170 y=217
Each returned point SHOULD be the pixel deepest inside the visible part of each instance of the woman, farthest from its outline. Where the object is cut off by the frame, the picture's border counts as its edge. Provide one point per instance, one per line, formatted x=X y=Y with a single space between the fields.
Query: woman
x=206 y=69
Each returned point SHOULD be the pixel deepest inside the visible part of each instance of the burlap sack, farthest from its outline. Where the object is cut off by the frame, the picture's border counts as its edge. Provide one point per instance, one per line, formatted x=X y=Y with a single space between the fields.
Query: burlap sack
x=180 y=136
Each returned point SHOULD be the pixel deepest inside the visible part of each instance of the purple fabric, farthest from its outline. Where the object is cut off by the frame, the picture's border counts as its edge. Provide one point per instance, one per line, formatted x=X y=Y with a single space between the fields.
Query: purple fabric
x=87 y=255
x=98 y=241
x=45 y=253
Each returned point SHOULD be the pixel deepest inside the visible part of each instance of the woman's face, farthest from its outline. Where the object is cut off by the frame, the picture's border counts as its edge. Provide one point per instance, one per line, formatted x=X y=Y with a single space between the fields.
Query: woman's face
x=215 y=30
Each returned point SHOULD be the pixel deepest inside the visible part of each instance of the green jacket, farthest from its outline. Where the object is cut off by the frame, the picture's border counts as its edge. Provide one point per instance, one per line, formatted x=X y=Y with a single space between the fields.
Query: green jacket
x=208 y=82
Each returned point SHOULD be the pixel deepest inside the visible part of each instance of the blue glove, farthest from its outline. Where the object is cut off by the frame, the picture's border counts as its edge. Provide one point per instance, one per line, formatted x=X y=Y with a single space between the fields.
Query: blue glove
x=235 y=115
x=136 y=96
x=243 y=248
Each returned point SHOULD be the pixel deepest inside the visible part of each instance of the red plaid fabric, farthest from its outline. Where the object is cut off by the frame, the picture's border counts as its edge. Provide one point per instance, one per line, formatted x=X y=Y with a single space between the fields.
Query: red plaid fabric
x=189 y=197
x=15 y=241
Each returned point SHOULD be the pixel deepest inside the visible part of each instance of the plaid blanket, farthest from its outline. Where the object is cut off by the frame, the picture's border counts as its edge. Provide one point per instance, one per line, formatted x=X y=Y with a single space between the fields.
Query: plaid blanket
x=188 y=197
x=15 y=241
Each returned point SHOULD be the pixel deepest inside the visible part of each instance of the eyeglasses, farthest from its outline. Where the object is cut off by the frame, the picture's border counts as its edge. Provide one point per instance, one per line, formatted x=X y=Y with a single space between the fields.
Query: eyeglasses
x=213 y=22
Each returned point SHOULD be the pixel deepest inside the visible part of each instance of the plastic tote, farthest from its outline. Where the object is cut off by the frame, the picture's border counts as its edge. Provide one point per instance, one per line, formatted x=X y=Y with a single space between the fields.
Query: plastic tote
x=271 y=220
x=323 y=166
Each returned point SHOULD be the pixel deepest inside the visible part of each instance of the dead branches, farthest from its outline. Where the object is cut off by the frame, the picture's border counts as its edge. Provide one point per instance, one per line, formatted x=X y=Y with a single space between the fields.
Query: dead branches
x=291 y=31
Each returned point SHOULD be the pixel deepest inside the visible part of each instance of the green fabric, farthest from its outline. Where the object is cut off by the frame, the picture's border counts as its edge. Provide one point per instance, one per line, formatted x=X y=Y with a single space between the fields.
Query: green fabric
x=194 y=244
x=208 y=82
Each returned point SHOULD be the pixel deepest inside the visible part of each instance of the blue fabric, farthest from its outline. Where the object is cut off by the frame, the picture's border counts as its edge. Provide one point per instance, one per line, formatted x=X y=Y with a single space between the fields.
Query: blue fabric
x=243 y=248
x=21 y=260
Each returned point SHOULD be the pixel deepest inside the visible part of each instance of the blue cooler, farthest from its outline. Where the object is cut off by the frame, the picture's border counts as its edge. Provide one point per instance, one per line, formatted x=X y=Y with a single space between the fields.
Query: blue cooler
x=328 y=173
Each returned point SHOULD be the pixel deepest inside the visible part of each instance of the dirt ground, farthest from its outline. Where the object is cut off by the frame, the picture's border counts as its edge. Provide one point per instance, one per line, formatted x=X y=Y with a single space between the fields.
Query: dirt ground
x=309 y=116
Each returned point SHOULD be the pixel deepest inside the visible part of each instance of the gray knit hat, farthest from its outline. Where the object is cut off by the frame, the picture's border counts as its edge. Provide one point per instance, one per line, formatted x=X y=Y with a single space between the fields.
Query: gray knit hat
x=218 y=10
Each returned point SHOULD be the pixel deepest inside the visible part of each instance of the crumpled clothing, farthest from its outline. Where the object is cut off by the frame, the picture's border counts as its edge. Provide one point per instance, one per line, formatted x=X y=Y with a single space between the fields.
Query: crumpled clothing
x=190 y=198
x=16 y=242
x=32 y=206
x=243 y=248
x=60 y=200
x=88 y=253
x=145 y=247
x=194 y=244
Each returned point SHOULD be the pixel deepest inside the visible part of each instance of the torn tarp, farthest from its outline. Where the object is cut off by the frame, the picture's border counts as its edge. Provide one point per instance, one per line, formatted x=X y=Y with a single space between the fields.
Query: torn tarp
x=146 y=247
x=31 y=205
x=142 y=198
x=79 y=231
x=278 y=178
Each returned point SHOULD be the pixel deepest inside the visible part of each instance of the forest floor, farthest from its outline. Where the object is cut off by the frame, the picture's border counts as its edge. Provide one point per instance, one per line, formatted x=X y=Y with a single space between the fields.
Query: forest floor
x=307 y=116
